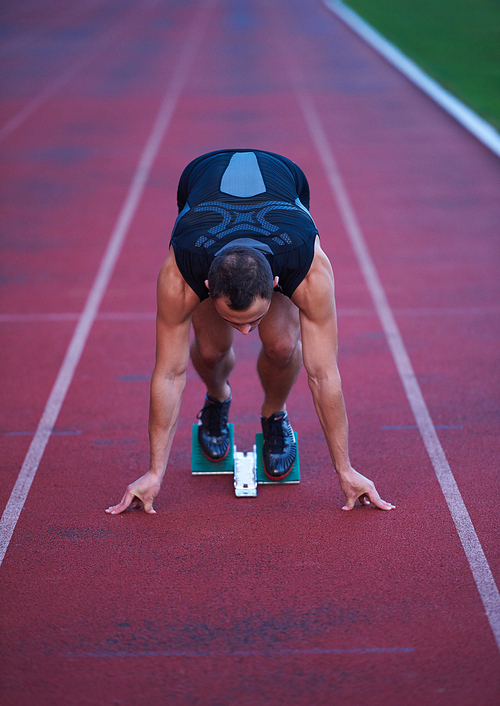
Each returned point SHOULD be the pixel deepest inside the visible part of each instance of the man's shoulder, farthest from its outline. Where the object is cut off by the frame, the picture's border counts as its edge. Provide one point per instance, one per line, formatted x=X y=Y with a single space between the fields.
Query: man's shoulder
x=176 y=299
x=318 y=284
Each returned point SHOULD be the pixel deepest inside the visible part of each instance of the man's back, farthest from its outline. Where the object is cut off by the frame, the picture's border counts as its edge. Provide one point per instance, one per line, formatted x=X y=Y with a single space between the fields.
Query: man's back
x=233 y=194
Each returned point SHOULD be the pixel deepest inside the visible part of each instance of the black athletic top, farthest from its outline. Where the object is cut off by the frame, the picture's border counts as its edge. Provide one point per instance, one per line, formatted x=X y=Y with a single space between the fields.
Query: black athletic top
x=257 y=197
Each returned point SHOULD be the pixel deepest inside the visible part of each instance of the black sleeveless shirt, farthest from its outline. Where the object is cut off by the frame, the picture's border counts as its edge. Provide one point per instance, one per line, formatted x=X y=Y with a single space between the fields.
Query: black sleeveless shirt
x=258 y=197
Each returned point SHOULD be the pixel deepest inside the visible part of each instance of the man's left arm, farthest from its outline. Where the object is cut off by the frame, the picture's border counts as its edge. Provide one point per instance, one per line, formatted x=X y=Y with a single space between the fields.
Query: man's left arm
x=316 y=302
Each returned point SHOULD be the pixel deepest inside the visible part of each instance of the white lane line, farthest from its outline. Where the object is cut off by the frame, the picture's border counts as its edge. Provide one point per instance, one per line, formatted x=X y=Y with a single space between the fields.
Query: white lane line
x=484 y=132
x=77 y=432
x=470 y=542
x=22 y=115
x=21 y=40
x=99 y=45
x=425 y=312
x=27 y=318
x=244 y=653
x=103 y=316
x=52 y=408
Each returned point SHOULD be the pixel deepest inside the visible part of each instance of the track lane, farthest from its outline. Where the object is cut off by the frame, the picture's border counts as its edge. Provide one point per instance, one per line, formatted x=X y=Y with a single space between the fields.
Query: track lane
x=149 y=565
x=480 y=568
x=77 y=344
x=450 y=200
x=38 y=64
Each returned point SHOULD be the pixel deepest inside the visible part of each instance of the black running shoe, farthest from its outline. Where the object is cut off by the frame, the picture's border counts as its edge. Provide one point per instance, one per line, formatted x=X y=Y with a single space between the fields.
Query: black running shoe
x=280 y=449
x=213 y=432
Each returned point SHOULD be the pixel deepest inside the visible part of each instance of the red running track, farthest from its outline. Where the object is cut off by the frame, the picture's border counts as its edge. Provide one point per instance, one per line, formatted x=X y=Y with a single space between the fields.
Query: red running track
x=282 y=599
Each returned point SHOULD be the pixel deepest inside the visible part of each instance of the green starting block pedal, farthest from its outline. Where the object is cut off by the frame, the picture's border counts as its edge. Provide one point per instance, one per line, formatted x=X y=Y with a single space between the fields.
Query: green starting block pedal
x=247 y=468
x=202 y=466
x=262 y=479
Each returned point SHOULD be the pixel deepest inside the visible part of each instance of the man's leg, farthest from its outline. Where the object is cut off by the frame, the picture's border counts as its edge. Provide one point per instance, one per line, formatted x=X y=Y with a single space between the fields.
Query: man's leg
x=280 y=359
x=279 y=364
x=213 y=358
x=212 y=349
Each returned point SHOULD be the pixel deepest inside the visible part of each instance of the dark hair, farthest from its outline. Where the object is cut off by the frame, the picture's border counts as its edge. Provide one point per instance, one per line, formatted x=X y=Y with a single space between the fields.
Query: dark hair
x=240 y=274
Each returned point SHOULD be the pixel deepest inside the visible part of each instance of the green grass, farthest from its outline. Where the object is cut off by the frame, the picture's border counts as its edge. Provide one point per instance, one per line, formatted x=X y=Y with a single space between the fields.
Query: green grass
x=457 y=42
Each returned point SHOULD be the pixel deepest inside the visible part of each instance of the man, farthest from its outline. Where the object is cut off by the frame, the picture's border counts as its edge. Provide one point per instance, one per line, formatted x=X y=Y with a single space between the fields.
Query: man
x=245 y=255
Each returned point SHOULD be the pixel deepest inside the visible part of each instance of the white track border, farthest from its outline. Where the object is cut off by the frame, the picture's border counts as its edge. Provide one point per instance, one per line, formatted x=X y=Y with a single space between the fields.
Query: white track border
x=481 y=129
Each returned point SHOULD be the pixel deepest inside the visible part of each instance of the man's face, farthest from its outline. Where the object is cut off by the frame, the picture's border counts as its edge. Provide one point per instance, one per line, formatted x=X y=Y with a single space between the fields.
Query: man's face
x=246 y=320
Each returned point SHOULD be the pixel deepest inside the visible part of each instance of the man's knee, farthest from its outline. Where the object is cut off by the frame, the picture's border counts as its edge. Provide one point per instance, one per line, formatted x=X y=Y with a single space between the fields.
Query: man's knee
x=209 y=352
x=283 y=349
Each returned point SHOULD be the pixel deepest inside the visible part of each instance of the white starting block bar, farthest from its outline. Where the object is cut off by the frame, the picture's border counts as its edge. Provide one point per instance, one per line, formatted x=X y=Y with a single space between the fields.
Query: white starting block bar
x=247 y=468
x=245 y=473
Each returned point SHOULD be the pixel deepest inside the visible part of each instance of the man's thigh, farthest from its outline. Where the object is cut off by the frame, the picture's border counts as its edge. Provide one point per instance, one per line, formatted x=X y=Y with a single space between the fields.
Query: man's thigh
x=213 y=335
x=279 y=330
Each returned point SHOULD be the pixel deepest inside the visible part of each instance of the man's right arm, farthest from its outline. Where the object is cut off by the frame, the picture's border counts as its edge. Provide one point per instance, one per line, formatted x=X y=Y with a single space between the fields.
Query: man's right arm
x=176 y=302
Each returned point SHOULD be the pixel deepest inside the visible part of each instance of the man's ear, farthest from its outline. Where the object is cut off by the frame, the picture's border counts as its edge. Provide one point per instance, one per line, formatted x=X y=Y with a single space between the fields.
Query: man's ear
x=275 y=282
x=206 y=284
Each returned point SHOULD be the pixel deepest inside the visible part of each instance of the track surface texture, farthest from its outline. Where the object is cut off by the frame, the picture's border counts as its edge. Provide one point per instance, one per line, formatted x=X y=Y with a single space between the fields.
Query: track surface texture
x=282 y=599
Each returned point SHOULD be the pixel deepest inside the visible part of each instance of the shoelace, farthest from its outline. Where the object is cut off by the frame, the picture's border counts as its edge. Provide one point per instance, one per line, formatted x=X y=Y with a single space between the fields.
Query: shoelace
x=210 y=417
x=276 y=436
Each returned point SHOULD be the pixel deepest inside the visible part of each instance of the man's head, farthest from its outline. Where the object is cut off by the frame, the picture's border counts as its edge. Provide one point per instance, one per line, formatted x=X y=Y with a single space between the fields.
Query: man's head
x=241 y=286
x=240 y=275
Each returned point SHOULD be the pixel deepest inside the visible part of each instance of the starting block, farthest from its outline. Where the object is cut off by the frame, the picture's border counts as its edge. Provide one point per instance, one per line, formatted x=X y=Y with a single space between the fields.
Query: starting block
x=246 y=467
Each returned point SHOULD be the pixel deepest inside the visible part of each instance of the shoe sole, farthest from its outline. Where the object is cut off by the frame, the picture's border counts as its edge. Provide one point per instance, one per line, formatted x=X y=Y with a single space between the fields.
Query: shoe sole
x=215 y=460
x=275 y=478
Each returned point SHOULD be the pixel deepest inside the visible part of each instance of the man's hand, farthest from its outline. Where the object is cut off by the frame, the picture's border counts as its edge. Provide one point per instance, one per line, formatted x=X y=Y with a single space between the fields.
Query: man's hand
x=139 y=494
x=357 y=487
